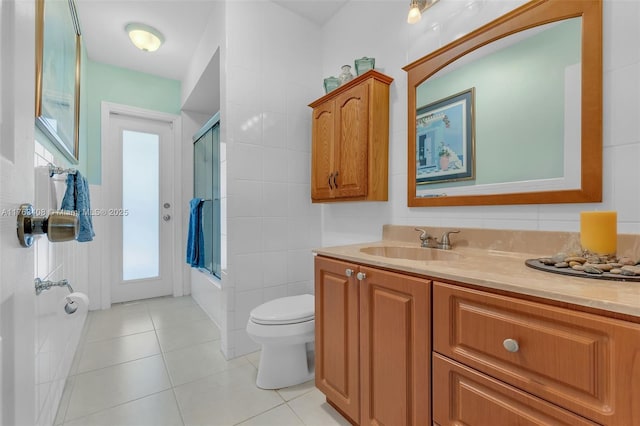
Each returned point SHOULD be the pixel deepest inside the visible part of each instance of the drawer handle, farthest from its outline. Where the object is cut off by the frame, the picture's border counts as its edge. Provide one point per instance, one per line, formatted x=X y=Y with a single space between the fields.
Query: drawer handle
x=511 y=345
x=348 y=272
x=361 y=276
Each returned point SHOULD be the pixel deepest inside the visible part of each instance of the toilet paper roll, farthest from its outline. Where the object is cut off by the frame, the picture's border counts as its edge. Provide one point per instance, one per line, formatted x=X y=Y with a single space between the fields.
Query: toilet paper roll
x=74 y=305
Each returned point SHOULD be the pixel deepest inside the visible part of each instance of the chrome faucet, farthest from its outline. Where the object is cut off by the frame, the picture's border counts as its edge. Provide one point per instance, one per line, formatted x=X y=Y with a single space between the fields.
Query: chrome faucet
x=443 y=244
x=424 y=238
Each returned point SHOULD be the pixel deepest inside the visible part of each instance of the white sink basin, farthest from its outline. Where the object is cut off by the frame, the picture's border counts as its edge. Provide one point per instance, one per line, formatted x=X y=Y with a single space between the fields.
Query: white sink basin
x=411 y=253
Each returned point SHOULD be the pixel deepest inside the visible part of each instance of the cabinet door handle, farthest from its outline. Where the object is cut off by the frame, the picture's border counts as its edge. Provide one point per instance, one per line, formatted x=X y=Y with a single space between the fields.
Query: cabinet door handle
x=511 y=345
x=348 y=272
x=329 y=181
x=335 y=184
x=361 y=276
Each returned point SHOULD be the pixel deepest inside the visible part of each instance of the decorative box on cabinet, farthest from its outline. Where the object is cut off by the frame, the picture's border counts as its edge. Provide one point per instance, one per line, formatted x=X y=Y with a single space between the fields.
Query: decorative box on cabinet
x=581 y=362
x=350 y=141
x=373 y=343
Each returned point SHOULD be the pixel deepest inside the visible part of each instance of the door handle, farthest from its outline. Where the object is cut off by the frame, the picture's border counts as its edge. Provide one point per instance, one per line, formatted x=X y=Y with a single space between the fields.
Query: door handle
x=329 y=181
x=335 y=184
x=166 y=218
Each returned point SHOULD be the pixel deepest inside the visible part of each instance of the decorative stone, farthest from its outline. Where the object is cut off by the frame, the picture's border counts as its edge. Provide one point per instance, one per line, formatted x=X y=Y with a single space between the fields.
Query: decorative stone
x=575 y=263
x=605 y=267
x=578 y=267
x=547 y=261
x=627 y=272
x=616 y=265
x=626 y=261
x=589 y=269
x=561 y=265
x=616 y=271
x=575 y=259
x=559 y=258
x=594 y=260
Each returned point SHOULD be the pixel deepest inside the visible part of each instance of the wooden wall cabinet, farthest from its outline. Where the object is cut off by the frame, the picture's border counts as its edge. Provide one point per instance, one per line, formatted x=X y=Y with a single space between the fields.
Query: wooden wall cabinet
x=350 y=141
x=378 y=372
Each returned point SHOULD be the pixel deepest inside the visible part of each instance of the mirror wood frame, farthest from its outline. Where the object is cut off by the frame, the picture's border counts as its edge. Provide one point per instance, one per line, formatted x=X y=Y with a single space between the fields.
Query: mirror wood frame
x=529 y=15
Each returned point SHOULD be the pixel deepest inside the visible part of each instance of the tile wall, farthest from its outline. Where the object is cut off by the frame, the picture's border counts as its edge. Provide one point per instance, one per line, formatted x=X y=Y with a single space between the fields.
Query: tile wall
x=272 y=69
x=56 y=334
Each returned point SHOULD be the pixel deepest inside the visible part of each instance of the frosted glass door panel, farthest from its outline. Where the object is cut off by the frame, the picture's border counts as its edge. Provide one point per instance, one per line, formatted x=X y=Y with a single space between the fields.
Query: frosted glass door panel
x=141 y=205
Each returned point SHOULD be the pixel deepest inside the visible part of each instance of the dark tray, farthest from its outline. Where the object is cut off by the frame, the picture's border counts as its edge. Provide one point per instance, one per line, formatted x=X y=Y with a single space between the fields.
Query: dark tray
x=536 y=264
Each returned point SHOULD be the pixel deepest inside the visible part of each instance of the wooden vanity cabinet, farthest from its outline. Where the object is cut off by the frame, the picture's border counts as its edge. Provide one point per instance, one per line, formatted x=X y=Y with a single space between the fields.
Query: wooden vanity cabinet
x=350 y=141
x=576 y=361
x=373 y=343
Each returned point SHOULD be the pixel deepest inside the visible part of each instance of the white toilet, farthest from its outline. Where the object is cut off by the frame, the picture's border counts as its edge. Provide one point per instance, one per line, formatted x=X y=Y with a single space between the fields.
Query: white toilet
x=284 y=327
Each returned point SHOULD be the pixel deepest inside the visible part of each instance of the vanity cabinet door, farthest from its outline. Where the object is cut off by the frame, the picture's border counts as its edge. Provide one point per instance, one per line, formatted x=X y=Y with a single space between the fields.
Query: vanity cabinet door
x=462 y=396
x=337 y=335
x=395 y=348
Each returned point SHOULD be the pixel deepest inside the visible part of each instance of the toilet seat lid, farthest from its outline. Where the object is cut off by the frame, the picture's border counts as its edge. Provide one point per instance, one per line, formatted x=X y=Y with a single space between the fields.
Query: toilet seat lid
x=285 y=310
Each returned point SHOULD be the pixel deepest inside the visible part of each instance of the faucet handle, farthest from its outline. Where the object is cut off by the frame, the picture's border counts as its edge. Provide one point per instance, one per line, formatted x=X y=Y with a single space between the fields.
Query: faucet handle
x=445 y=243
x=424 y=237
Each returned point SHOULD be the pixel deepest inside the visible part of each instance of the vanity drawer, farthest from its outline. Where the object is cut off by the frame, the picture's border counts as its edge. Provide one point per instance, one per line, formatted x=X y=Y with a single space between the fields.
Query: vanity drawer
x=462 y=396
x=583 y=362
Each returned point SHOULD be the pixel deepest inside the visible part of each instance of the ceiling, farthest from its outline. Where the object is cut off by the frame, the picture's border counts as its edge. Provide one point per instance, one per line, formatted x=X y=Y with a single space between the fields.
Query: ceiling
x=182 y=23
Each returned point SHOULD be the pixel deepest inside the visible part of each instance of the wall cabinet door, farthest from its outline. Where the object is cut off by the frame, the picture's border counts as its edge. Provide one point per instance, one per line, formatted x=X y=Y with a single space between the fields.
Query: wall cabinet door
x=323 y=133
x=337 y=335
x=394 y=349
x=350 y=150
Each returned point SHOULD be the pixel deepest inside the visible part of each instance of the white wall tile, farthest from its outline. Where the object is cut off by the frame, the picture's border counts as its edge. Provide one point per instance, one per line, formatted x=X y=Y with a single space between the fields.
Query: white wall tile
x=248 y=271
x=274 y=164
x=245 y=198
x=274 y=127
x=245 y=302
x=274 y=268
x=274 y=199
x=274 y=231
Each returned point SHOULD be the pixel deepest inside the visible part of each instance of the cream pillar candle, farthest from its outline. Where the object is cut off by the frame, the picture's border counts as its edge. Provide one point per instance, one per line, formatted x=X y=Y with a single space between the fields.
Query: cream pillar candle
x=599 y=231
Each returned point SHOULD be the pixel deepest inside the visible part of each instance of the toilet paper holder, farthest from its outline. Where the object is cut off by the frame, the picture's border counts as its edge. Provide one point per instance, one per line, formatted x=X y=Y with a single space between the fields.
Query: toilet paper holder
x=70 y=306
x=59 y=226
x=44 y=285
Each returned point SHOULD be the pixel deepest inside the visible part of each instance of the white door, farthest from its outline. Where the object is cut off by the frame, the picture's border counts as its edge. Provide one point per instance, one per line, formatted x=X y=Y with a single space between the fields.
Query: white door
x=139 y=178
x=17 y=296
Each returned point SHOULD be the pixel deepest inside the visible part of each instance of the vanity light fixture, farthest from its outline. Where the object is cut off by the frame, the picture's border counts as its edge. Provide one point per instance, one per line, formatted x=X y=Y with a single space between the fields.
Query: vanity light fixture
x=144 y=37
x=417 y=7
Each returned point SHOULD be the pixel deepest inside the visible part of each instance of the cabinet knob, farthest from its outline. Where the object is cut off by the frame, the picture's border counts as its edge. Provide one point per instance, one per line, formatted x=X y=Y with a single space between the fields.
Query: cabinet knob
x=361 y=276
x=511 y=345
x=348 y=272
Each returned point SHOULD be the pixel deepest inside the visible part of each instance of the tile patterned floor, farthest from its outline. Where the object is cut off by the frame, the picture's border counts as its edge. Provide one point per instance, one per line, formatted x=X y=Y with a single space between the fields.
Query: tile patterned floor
x=158 y=363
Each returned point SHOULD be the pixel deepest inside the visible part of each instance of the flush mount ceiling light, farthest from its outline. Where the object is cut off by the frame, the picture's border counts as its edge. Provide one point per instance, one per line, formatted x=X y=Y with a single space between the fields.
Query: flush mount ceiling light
x=417 y=7
x=144 y=37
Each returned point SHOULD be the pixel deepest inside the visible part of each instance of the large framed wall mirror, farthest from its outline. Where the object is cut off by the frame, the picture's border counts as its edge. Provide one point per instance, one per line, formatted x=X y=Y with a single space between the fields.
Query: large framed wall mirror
x=58 y=51
x=532 y=131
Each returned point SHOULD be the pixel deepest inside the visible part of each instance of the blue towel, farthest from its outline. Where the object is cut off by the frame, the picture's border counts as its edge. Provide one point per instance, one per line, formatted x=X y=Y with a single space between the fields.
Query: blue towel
x=76 y=198
x=195 y=237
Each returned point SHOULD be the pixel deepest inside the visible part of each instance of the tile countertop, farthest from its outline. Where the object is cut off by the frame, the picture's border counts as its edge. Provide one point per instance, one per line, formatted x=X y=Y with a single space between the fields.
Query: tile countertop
x=496 y=266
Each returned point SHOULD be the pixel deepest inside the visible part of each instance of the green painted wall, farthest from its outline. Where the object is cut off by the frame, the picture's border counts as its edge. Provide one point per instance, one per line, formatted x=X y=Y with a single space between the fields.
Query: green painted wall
x=125 y=87
x=516 y=138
